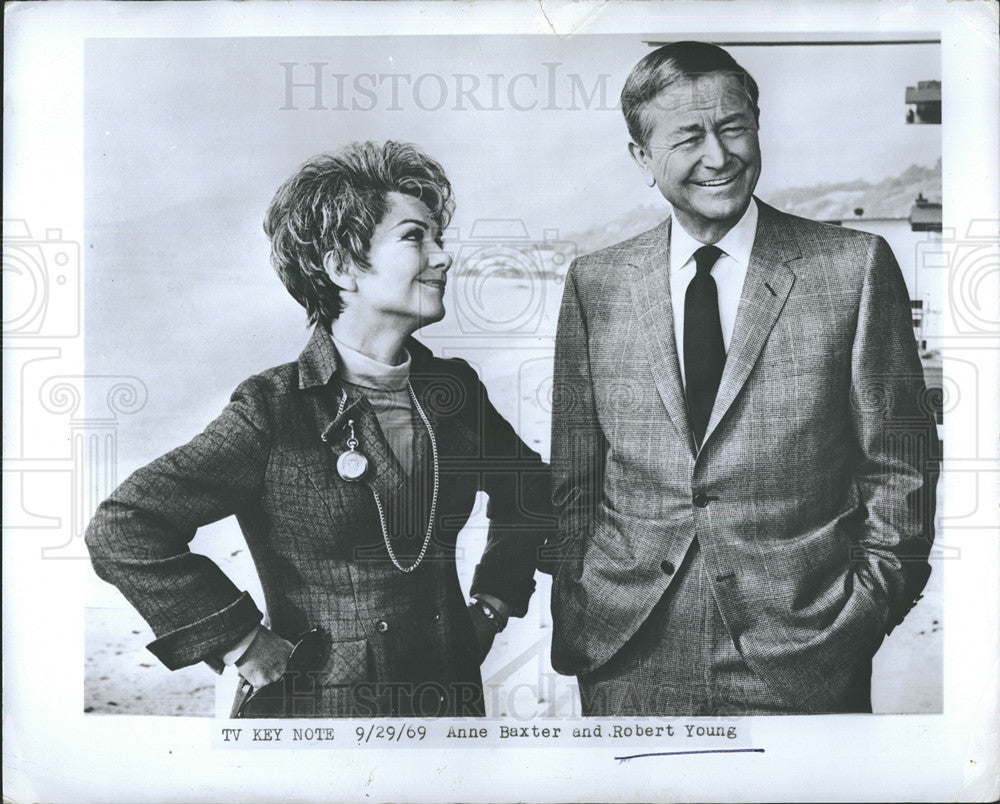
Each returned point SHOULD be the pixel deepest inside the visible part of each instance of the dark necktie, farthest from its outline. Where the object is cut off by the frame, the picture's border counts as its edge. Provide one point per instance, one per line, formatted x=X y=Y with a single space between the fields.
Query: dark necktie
x=704 y=349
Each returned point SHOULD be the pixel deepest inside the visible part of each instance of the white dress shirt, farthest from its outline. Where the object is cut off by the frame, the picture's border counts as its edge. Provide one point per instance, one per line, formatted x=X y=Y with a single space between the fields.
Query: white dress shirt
x=728 y=273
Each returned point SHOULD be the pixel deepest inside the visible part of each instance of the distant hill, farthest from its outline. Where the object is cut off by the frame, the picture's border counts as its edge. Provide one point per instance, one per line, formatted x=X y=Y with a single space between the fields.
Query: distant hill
x=621 y=228
x=889 y=198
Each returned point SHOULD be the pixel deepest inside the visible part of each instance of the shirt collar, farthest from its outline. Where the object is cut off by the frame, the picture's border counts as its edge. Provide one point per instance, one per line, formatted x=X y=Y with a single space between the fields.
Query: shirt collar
x=737 y=242
x=319 y=361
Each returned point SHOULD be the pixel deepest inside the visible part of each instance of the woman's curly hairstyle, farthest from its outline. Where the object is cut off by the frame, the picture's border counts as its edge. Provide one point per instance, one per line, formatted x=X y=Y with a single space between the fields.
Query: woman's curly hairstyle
x=333 y=204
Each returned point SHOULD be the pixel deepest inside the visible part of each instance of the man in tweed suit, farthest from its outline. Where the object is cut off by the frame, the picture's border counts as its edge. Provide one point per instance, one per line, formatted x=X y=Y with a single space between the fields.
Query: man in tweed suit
x=742 y=439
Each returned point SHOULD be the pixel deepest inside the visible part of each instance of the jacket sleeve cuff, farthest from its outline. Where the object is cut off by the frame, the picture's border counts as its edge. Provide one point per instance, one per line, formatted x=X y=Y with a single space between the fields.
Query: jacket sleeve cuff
x=208 y=637
x=515 y=592
x=235 y=653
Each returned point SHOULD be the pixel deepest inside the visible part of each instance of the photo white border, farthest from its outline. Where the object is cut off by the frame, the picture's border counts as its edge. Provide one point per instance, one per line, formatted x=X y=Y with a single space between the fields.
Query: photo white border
x=53 y=752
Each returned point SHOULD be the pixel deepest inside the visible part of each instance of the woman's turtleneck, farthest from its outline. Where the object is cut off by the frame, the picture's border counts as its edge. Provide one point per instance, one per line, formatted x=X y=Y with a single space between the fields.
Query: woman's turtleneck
x=386 y=388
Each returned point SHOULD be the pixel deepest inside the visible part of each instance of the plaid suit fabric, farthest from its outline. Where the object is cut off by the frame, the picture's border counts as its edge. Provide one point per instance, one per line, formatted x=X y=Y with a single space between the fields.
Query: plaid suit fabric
x=682 y=661
x=812 y=495
x=397 y=639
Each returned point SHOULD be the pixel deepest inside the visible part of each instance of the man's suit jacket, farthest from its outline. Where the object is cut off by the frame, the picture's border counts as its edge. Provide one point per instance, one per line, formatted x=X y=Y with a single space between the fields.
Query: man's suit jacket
x=812 y=496
x=270 y=459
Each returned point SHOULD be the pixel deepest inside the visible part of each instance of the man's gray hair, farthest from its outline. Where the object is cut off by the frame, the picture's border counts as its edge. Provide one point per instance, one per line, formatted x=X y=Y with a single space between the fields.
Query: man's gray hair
x=668 y=65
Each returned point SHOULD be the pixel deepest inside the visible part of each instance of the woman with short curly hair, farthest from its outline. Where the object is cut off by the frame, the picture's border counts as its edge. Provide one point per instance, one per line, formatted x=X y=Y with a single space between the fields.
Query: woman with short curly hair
x=351 y=472
x=327 y=212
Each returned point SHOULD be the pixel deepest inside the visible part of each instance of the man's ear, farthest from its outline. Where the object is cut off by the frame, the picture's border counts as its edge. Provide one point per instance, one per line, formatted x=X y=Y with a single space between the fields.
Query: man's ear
x=342 y=277
x=641 y=157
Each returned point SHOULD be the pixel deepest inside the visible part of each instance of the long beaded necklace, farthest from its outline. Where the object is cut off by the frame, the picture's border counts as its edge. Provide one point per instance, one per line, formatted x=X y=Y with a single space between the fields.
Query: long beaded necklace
x=352 y=465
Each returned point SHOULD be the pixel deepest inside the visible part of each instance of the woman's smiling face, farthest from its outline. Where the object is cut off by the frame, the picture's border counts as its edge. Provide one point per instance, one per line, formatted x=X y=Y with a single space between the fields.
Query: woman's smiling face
x=404 y=285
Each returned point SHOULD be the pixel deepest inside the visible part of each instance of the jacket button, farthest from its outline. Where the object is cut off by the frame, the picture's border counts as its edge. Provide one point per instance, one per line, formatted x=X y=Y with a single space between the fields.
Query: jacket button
x=668 y=567
x=382 y=626
x=701 y=499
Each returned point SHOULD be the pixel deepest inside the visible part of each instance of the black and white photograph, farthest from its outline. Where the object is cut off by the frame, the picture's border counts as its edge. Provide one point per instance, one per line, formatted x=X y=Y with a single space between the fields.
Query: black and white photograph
x=484 y=402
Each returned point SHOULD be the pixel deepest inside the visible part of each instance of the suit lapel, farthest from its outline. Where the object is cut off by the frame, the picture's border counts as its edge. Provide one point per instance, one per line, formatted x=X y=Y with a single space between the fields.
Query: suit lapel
x=318 y=367
x=442 y=397
x=651 y=297
x=422 y=480
x=768 y=282
x=385 y=474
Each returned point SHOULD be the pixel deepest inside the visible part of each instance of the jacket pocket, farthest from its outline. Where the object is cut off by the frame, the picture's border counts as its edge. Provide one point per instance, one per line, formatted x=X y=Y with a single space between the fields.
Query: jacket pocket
x=627 y=538
x=349 y=663
x=611 y=534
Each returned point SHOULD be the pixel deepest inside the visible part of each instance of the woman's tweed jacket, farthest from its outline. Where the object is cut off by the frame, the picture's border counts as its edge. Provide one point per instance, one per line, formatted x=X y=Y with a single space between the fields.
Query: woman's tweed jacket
x=399 y=643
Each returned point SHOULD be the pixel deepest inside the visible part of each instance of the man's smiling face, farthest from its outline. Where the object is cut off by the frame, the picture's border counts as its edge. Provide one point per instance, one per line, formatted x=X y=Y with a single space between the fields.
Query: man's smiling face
x=703 y=152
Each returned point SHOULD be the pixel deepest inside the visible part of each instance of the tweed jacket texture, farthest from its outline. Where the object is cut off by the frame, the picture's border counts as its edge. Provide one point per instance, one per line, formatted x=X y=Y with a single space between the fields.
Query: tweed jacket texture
x=400 y=643
x=812 y=496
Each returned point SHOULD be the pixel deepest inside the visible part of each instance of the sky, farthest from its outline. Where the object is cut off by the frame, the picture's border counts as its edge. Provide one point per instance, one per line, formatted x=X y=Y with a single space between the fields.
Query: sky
x=186 y=140
x=202 y=119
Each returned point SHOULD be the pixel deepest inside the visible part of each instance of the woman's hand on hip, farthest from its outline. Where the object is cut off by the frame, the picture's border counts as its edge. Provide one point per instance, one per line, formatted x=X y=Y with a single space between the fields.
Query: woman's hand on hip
x=265 y=660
